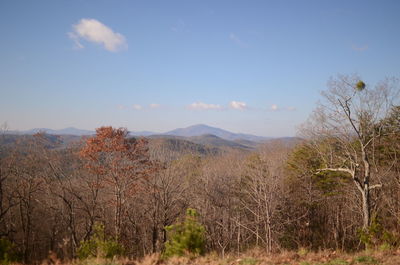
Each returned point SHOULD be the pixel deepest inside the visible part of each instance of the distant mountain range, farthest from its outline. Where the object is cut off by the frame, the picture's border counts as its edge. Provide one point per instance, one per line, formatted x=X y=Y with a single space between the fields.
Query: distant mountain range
x=196 y=139
x=201 y=129
x=191 y=131
x=65 y=131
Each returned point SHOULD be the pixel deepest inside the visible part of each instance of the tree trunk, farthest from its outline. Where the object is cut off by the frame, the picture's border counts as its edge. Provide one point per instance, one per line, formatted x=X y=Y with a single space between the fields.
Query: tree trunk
x=366 y=205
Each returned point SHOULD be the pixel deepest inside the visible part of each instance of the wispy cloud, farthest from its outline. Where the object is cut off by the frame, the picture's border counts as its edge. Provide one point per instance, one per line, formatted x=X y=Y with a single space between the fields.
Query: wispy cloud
x=77 y=44
x=274 y=107
x=237 y=105
x=361 y=48
x=94 y=31
x=203 y=106
x=154 y=106
x=137 y=107
x=235 y=39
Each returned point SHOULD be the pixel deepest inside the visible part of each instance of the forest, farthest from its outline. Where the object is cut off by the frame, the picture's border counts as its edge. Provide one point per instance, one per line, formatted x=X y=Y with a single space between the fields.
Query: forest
x=337 y=187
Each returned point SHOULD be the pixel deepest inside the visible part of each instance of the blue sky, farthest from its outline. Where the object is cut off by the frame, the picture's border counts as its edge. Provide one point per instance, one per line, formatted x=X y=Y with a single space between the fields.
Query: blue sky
x=245 y=66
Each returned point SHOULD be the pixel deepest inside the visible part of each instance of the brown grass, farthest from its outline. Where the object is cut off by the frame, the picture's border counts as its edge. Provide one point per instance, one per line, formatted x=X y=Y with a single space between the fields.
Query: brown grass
x=255 y=257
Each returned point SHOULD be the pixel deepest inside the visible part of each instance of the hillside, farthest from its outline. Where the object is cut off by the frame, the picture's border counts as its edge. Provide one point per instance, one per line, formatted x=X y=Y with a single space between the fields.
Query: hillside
x=201 y=129
x=169 y=148
x=212 y=140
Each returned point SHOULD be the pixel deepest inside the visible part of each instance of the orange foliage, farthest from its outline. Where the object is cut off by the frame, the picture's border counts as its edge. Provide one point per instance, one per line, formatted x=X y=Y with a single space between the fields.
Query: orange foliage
x=111 y=153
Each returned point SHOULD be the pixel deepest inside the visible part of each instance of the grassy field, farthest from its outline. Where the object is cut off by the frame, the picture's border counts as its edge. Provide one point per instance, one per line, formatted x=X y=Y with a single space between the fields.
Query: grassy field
x=258 y=257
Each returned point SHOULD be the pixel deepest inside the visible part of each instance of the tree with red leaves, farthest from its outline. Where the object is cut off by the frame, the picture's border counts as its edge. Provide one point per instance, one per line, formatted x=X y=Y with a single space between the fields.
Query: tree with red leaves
x=122 y=162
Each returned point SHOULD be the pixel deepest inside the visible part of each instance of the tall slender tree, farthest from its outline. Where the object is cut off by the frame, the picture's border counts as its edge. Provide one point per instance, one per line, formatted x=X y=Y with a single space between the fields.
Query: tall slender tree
x=349 y=121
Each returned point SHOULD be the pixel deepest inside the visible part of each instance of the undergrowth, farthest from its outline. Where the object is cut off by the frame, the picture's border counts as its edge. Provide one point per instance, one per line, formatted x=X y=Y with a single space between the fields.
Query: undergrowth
x=253 y=257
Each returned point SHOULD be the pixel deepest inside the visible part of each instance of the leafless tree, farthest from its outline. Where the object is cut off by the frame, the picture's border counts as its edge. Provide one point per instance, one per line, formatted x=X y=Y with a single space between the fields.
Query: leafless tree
x=348 y=119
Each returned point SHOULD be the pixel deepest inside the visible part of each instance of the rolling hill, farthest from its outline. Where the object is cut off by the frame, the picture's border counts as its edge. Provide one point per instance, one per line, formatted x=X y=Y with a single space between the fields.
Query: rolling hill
x=195 y=130
x=203 y=136
x=212 y=140
x=201 y=129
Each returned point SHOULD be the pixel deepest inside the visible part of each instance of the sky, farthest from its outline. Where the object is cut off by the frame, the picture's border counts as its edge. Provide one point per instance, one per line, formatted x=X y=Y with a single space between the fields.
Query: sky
x=246 y=66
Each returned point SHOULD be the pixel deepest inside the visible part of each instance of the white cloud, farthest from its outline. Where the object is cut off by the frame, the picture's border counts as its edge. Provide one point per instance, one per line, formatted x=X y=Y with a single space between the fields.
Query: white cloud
x=274 y=107
x=154 y=106
x=93 y=30
x=121 y=107
x=137 y=107
x=73 y=36
x=238 y=105
x=203 y=106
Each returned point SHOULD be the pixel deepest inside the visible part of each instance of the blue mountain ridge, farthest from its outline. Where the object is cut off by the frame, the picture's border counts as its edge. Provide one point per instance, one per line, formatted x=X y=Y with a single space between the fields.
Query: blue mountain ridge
x=195 y=130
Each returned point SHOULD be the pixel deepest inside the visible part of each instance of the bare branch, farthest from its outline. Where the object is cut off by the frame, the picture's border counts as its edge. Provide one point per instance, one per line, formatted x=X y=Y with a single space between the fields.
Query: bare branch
x=376 y=186
x=340 y=169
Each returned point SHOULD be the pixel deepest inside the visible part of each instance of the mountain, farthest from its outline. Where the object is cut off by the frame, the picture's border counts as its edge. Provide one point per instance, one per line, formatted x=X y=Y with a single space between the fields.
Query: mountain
x=73 y=131
x=212 y=140
x=52 y=141
x=201 y=129
x=142 y=133
x=170 y=148
x=197 y=139
x=191 y=131
x=65 y=131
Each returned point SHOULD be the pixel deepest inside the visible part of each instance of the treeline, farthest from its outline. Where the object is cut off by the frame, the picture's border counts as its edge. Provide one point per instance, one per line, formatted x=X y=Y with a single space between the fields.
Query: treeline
x=339 y=188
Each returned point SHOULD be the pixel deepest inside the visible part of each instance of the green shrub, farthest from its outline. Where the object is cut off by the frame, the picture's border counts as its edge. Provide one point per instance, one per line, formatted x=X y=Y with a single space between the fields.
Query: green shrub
x=186 y=237
x=366 y=259
x=385 y=247
x=8 y=253
x=376 y=236
x=99 y=246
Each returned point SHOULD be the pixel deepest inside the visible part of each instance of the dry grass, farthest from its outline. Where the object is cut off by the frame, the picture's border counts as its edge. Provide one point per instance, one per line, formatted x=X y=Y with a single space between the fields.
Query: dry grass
x=256 y=257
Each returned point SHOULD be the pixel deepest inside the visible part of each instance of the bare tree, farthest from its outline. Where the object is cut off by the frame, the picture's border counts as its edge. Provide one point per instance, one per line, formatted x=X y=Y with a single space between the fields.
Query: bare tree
x=348 y=119
x=217 y=200
x=261 y=188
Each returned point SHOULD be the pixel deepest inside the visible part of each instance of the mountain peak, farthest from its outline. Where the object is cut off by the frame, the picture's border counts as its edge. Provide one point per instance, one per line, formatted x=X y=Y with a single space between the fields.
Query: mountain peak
x=203 y=129
x=201 y=125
